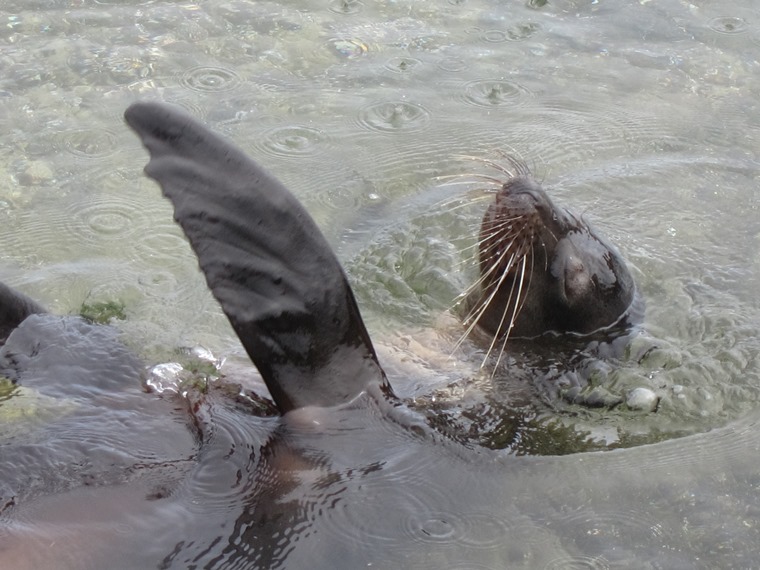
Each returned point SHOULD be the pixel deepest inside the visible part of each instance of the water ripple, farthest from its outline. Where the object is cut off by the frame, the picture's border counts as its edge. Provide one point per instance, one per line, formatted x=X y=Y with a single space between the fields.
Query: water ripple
x=227 y=465
x=517 y=33
x=99 y=223
x=89 y=143
x=560 y=130
x=412 y=493
x=345 y=6
x=107 y=220
x=729 y=25
x=191 y=105
x=577 y=563
x=475 y=530
x=347 y=197
x=106 y=217
x=210 y=79
x=452 y=64
x=402 y=64
x=349 y=49
x=494 y=92
x=293 y=141
x=728 y=444
x=612 y=524
x=394 y=116
x=165 y=242
x=165 y=284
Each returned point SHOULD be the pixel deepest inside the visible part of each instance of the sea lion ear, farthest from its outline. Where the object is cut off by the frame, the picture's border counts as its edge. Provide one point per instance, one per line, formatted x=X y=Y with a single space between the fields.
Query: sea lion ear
x=265 y=261
x=14 y=308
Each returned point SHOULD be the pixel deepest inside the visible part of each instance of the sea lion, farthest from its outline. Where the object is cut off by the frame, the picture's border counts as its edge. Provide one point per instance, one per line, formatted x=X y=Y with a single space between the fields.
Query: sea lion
x=543 y=269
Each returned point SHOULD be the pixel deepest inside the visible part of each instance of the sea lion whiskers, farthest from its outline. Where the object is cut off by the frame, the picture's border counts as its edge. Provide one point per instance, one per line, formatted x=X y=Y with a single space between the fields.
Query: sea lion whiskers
x=496 y=229
x=474 y=315
x=508 y=225
x=491 y=163
x=515 y=167
x=486 y=277
x=518 y=166
x=515 y=301
x=519 y=301
x=517 y=255
x=515 y=309
x=472 y=195
x=504 y=248
x=520 y=298
x=468 y=178
x=453 y=204
x=472 y=288
x=464 y=251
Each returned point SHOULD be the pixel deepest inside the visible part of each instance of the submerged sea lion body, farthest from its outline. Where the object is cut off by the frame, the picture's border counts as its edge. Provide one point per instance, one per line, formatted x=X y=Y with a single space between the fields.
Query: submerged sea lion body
x=544 y=270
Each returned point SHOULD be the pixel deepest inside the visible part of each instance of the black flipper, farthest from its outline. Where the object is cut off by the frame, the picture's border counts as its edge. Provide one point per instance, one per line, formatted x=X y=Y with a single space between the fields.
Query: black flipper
x=265 y=261
x=14 y=308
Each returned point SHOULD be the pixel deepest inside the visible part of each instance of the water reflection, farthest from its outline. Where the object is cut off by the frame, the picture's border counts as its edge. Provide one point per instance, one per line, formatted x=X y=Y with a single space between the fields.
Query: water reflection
x=641 y=115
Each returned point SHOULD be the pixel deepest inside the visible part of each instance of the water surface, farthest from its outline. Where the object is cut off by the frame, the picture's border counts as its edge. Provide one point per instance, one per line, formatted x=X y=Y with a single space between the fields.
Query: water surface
x=642 y=116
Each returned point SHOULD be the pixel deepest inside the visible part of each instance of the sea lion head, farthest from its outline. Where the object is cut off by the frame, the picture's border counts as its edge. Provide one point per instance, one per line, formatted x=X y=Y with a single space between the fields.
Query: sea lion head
x=543 y=270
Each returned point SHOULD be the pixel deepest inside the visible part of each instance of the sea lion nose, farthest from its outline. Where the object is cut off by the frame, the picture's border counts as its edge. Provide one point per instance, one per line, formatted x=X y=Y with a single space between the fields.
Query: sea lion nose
x=577 y=279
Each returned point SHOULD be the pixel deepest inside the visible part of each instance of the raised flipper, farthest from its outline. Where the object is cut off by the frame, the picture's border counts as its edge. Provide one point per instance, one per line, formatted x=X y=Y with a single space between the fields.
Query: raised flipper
x=14 y=308
x=265 y=261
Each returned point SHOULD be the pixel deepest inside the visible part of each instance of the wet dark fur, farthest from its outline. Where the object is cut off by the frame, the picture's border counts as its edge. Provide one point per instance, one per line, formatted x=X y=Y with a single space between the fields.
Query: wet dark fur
x=542 y=269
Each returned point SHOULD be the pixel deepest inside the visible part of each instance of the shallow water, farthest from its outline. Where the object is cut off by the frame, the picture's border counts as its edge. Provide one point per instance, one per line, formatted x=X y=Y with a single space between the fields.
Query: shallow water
x=642 y=116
